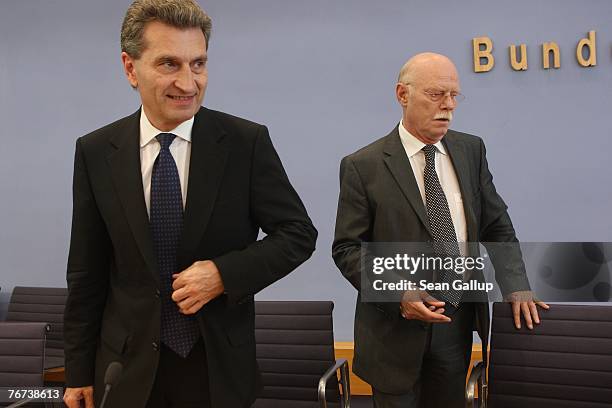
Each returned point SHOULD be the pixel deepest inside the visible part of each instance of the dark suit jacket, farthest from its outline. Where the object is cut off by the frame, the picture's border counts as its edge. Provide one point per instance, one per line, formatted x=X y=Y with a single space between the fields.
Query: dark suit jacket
x=237 y=185
x=380 y=202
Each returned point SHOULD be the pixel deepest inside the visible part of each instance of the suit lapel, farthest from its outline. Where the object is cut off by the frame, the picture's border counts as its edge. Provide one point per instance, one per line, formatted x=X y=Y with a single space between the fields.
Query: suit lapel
x=459 y=158
x=124 y=163
x=399 y=165
x=209 y=153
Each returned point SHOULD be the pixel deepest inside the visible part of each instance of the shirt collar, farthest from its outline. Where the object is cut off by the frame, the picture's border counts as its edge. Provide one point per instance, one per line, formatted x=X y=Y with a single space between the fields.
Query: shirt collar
x=411 y=144
x=148 y=132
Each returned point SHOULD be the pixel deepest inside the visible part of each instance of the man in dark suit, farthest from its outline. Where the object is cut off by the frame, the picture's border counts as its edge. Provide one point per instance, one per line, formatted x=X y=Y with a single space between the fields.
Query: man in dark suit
x=422 y=183
x=164 y=258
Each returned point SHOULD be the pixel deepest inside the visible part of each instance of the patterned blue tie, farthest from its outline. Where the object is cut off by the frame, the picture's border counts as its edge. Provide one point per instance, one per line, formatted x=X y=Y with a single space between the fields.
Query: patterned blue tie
x=178 y=332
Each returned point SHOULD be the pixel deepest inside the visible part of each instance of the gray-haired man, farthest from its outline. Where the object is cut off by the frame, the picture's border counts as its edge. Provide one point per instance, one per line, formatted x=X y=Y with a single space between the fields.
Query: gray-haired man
x=168 y=203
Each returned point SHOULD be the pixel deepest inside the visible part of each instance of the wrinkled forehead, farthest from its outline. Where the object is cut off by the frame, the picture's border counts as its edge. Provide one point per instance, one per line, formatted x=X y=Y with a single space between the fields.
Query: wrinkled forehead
x=438 y=75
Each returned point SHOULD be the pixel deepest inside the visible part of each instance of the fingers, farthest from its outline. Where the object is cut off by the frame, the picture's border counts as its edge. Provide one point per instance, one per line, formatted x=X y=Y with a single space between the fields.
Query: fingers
x=71 y=402
x=435 y=304
x=73 y=397
x=437 y=317
x=542 y=304
x=418 y=310
x=516 y=313
x=529 y=311
x=189 y=302
x=193 y=308
x=179 y=281
x=434 y=309
x=186 y=304
x=432 y=301
x=526 y=314
x=196 y=286
x=179 y=295
x=198 y=271
x=89 y=399
x=533 y=310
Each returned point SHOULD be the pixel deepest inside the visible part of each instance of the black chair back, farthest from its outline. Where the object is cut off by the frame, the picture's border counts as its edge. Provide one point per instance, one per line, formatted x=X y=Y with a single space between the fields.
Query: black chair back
x=40 y=304
x=566 y=361
x=295 y=347
x=22 y=353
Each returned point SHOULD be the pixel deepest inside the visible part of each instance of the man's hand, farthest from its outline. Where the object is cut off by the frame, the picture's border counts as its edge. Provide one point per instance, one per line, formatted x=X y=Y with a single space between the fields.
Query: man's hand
x=74 y=396
x=524 y=303
x=420 y=305
x=196 y=286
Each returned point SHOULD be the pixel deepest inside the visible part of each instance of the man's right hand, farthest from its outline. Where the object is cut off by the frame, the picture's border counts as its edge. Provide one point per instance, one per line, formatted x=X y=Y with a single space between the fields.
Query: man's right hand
x=74 y=396
x=420 y=305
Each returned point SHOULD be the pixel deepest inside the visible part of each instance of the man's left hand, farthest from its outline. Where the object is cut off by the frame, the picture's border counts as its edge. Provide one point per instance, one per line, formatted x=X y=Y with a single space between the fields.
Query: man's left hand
x=524 y=303
x=196 y=286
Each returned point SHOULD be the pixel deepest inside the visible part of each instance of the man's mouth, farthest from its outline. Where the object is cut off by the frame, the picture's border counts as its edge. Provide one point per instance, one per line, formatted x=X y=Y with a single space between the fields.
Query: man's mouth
x=181 y=98
x=444 y=117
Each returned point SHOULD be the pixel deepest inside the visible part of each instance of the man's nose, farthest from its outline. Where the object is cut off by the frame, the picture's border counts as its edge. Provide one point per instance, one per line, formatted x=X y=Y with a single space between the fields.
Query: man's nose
x=448 y=102
x=185 y=80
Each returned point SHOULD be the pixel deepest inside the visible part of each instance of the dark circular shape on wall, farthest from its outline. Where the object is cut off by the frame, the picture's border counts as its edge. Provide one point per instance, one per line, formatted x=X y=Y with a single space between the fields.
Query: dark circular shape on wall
x=594 y=252
x=602 y=292
x=570 y=266
x=546 y=272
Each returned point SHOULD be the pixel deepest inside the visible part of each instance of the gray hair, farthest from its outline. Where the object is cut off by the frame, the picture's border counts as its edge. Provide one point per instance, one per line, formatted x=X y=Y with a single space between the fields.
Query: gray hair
x=176 y=13
x=406 y=76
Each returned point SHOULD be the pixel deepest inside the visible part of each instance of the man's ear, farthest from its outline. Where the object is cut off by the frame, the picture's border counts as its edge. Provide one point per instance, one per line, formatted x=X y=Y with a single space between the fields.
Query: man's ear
x=130 y=69
x=401 y=93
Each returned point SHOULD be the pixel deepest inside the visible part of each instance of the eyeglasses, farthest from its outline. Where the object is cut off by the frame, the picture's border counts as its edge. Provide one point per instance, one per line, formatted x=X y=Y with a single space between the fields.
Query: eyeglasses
x=437 y=96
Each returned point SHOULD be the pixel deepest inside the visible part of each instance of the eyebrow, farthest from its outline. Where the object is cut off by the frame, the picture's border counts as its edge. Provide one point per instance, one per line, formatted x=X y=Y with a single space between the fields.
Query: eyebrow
x=164 y=58
x=436 y=89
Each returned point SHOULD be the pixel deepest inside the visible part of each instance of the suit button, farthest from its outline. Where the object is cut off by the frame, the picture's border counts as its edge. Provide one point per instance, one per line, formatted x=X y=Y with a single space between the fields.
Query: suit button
x=155 y=346
x=157 y=293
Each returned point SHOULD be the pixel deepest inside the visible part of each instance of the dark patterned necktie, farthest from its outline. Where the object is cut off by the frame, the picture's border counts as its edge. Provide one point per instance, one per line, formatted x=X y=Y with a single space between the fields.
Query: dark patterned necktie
x=178 y=332
x=441 y=224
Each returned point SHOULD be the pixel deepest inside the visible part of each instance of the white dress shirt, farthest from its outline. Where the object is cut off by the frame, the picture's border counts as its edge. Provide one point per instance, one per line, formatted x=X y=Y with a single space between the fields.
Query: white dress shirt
x=150 y=147
x=446 y=175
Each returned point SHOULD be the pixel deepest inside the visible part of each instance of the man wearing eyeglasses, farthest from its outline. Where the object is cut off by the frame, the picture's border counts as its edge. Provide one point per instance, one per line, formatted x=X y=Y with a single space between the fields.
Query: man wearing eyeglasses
x=422 y=183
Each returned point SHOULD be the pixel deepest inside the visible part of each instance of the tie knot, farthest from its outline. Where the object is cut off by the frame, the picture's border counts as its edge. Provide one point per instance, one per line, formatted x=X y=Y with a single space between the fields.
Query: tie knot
x=430 y=151
x=165 y=140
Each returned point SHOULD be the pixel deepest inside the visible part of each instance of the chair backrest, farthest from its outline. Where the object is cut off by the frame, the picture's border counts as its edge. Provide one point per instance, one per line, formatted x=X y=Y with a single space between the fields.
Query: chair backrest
x=295 y=346
x=565 y=361
x=22 y=354
x=40 y=304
